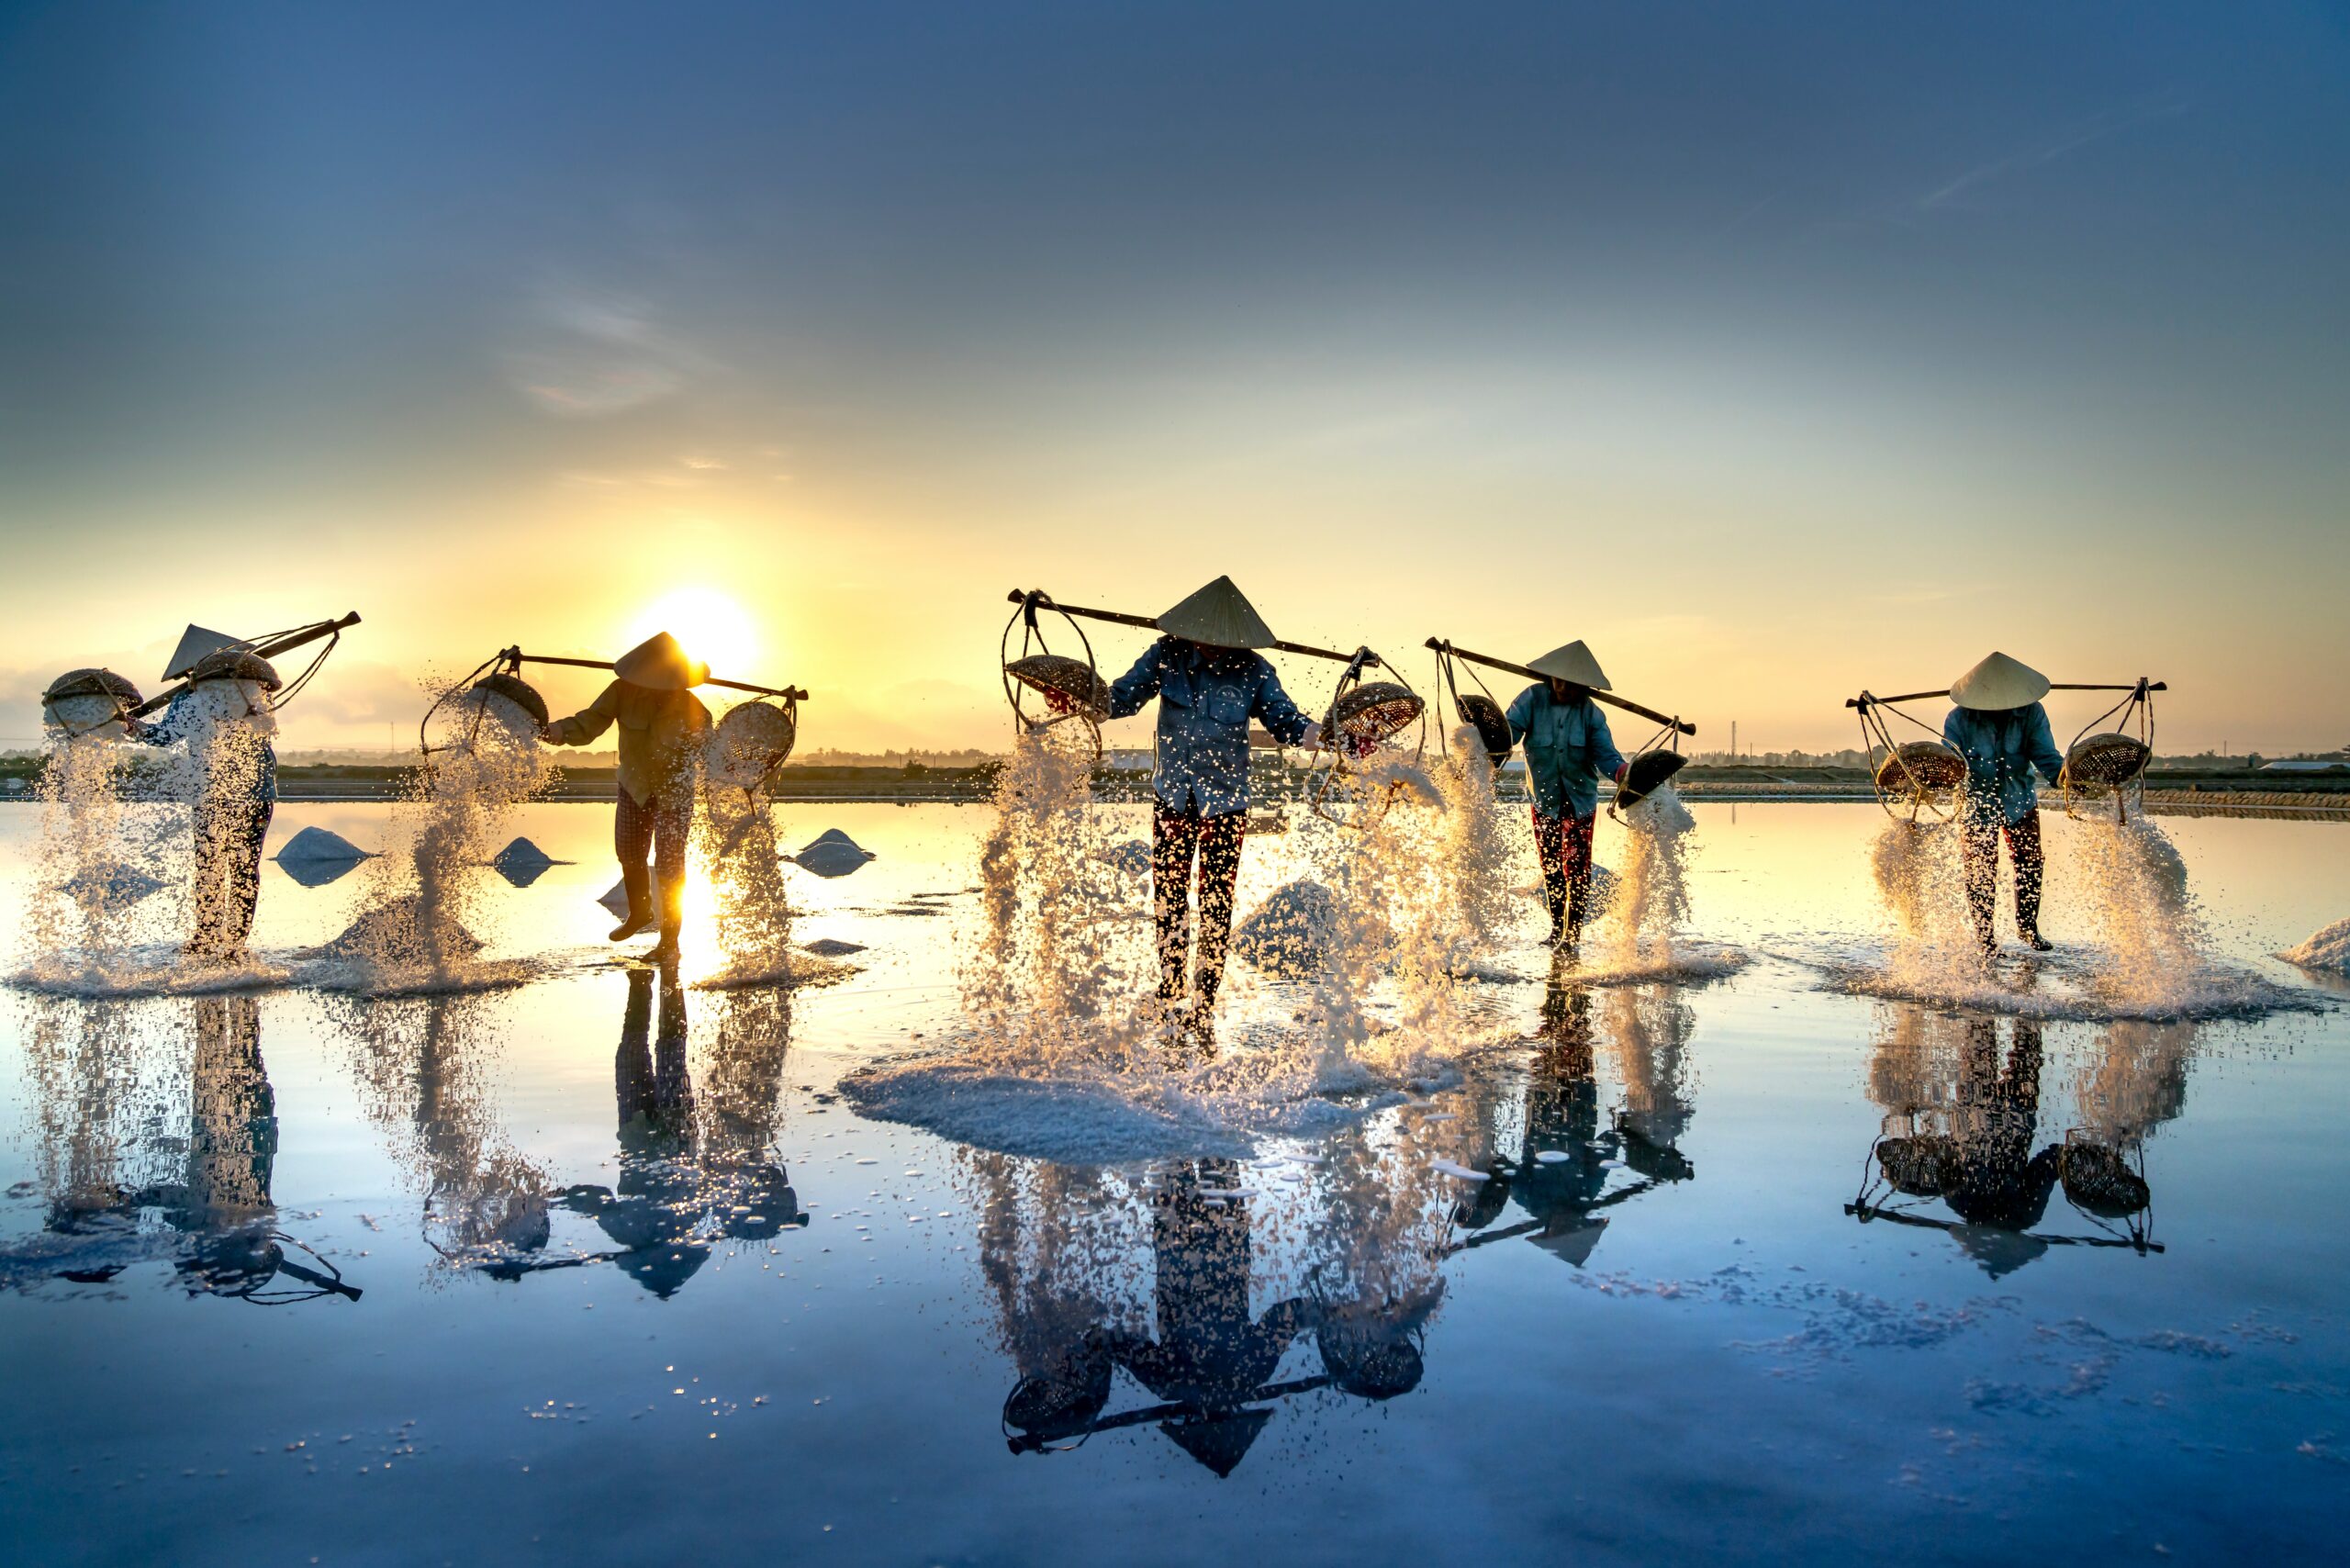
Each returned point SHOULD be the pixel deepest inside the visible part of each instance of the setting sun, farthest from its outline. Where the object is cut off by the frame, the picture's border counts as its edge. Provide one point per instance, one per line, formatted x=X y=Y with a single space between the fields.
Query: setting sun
x=711 y=624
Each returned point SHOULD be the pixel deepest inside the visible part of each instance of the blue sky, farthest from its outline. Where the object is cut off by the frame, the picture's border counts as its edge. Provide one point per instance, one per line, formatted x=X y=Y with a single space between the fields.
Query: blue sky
x=1775 y=350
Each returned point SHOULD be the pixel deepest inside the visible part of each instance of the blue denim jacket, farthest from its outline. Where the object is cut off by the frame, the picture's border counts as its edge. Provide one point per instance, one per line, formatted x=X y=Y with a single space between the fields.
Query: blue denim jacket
x=1206 y=697
x=172 y=728
x=1568 y=751
x=2002 y=749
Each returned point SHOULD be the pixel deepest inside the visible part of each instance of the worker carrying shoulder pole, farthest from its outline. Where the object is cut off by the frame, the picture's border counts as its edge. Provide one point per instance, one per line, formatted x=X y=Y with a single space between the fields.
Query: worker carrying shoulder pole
x=1209 y=684
x=1568 y=750
x=224 y=717
x=2001 y=729
x=662 y=725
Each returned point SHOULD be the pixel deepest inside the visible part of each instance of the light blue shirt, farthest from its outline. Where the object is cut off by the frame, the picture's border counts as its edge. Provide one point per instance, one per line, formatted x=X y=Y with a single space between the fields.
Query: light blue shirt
x=1206 y=697
x=2002 y=748
x=1568 y=751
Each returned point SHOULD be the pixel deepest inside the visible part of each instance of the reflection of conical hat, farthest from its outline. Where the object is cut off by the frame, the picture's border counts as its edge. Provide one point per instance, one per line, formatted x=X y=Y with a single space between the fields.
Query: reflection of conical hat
x=1999 y=682
x=660 y=664
x=1220 y=616
x=1218 y=1442
x=1573 y=664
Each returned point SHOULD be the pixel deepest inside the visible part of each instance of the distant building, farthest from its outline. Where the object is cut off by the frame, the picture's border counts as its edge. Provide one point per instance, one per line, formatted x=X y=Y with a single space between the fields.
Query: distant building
x=2306 y=764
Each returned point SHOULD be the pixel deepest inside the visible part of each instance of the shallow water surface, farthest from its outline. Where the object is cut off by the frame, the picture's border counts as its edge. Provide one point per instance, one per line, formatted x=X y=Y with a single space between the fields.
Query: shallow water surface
x=608 y=1266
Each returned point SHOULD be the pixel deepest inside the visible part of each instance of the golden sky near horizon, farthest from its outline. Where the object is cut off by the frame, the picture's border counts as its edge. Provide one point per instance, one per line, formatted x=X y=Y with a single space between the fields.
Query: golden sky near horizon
x=1683 y=341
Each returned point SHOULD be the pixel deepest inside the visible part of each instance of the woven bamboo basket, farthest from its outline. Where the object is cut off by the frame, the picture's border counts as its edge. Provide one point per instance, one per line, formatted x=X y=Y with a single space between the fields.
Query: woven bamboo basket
x=81 y=700
x=751 y=742
x=2105 y=761
x=2098 y=1179
x=1649 y=772
x=1920 y=767
x=1486 y=716
x=1073 y=680
x=515 y=690
x=1375 y=712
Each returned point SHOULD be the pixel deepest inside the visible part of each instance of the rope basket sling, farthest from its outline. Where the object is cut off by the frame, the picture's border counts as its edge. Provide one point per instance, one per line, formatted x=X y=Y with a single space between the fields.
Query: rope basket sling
x=474 y=700
x=2111 y=761
x=1363 y=716
x=1922 y=776
x=1072 y=689
x=1477 y=709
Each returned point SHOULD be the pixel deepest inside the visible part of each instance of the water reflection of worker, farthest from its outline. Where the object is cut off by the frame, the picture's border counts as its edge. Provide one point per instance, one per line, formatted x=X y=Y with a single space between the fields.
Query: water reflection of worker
x=662 y=724
x=1209 y=684
x=1568 y=750
x=1568 y=1158
x=1983 y=1167
x=671 y=1201
x=1651 y=1027
x=1210 y=1355
x=222 y=715
x=2001 y=729
x=222 y=1221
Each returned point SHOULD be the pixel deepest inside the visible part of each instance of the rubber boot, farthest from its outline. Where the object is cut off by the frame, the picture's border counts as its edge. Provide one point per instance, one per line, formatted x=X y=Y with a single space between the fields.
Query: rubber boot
x=638 y=881
x=673 y=919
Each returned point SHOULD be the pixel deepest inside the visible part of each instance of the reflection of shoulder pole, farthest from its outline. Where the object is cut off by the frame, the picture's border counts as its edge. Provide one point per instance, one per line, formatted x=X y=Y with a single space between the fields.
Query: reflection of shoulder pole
x=1030 y=1443
x=1868 y=1212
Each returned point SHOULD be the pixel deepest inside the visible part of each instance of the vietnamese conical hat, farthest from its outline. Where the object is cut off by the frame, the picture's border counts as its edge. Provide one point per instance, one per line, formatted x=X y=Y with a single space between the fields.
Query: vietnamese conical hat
x=1574 y=665
x=194 y=643
x=1220 y=616
x=1999 y=682
x=660 y=664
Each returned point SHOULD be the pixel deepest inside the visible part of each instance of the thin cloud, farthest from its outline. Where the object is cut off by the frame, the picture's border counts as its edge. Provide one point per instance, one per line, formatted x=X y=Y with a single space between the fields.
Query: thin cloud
x=2072 y=142
x=586 y=355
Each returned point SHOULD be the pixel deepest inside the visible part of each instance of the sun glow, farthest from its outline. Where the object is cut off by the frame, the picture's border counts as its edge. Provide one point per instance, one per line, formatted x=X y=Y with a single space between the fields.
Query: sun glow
x=711 y=626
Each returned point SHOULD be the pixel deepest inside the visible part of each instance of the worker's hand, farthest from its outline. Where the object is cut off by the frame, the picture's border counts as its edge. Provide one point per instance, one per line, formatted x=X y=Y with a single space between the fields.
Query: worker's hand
x=1313 y=741
x=1621 y=769
x=550 y=733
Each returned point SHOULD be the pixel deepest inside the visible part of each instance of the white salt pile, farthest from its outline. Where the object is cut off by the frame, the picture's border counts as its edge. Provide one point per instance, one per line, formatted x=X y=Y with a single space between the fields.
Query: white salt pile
x=832 y=853
x=523 y=855
x=522 y=862
x=2328 y=950
x=318 y=845
x=1289 y=934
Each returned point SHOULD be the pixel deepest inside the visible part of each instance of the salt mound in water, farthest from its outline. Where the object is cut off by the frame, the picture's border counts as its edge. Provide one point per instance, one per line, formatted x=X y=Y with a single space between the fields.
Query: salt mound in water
x=2328 y=950
x=521 y=862
x=316 y=845
x=1290 y=933
x=832 y=853
x=391 y=930
x=117 y=885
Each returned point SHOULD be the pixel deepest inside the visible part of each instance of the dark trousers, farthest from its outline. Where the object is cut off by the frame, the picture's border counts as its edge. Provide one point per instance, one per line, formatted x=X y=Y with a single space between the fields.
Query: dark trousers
x=1979 y=844
x=649 y=1076
x=660 y=830
x=1176 y=837
x=229 y=836
x=1564 y=845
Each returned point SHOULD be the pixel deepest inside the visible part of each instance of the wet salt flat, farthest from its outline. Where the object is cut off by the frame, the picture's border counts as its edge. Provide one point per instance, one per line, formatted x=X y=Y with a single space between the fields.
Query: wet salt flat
x=588 y=1266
